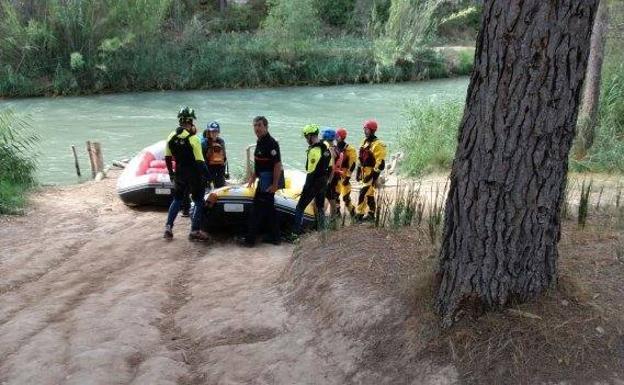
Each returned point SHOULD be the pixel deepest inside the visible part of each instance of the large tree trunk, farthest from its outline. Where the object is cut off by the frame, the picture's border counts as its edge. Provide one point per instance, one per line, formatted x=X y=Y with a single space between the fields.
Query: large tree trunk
x=501 y=224
x=588 y=116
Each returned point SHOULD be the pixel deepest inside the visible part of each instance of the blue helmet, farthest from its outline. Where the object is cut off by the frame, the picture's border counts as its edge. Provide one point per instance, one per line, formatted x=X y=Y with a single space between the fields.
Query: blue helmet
x=214 y=127
x=328 y=133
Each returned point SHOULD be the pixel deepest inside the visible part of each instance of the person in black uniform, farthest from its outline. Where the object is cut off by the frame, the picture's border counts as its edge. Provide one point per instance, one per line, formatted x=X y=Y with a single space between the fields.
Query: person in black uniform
x=189 y=175
x=268 y=171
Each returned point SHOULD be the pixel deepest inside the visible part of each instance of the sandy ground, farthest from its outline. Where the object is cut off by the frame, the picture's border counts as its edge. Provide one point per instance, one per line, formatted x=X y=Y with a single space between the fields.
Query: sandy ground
x=90 y=293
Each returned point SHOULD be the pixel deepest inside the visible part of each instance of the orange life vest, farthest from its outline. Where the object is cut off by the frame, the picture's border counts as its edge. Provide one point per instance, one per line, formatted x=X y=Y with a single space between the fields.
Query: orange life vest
x=215 y=154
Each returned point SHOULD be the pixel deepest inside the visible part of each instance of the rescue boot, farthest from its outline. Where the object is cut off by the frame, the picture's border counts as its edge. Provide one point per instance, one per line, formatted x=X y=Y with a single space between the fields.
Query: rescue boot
x=198 y=235
x=168 y=232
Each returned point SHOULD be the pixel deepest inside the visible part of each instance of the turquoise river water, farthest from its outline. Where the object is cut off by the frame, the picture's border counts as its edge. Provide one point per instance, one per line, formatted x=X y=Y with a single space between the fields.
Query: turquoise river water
x=125 y=123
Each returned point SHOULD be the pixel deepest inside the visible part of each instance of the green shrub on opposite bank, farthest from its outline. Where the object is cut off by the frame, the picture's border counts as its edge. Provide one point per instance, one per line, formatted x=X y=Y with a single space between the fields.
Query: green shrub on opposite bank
x=228 y=61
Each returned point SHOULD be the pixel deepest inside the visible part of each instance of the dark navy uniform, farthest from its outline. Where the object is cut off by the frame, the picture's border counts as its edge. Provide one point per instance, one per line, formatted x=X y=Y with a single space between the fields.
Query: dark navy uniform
x=266 y=155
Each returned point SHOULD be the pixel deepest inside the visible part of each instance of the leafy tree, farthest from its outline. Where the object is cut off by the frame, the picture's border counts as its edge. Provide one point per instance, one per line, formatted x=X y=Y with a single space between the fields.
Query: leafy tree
x=337 y=13
x=292 y=23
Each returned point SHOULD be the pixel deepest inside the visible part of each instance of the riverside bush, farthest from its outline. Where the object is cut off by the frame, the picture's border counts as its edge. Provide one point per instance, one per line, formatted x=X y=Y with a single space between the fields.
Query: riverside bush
x=607 y=152
x=230 y=60
x=429 y=137
x=18 y=161
x=82 y=47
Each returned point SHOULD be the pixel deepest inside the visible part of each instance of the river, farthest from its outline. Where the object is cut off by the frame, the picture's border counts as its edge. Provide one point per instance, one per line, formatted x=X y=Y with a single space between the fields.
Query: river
x=125 y=123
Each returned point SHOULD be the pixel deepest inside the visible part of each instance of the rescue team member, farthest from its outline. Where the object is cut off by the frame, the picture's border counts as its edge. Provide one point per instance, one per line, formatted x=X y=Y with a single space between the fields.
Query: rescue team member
x=318 y=167
x=345 y=166
x=328 y=136
x=213 y=147
x=185 y=147
x=371 y=159
x=268 y=171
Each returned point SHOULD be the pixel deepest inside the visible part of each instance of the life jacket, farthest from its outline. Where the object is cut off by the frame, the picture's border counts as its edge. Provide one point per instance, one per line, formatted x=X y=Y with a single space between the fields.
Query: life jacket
x=182 y=151
x=366 y=155
x=318 y=161
x=344 y=162
x=215 y=153
x=337 y=167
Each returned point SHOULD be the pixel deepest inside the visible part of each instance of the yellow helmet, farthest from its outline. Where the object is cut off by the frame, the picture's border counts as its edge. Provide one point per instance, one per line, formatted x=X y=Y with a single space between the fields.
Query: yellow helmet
x=311 y=129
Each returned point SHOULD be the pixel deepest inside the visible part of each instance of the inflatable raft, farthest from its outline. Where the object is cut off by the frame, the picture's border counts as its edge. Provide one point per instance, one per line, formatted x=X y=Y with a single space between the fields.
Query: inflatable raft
x=145 y=180
x=229 y=207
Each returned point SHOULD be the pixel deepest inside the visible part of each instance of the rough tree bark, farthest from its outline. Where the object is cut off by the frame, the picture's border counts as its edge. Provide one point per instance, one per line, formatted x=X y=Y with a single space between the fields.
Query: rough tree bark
x=501 y=224
x=588 y=116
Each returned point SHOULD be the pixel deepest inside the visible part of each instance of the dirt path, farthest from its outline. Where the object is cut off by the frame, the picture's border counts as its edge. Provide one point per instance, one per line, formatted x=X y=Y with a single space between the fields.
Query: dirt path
x=91 y=294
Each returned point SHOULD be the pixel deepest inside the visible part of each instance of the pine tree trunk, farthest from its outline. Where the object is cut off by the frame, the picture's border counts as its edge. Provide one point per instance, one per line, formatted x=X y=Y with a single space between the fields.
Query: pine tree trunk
x=501 y=224
x=588 y=117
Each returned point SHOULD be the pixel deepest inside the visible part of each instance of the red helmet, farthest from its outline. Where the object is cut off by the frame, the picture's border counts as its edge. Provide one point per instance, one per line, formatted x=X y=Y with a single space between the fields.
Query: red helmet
x=341 y=133
x=371 y=125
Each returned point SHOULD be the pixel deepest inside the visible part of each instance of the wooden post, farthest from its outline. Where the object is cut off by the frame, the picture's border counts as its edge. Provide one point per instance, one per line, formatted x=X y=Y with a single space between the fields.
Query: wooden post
x=90 y=153
x=95 y=157
x=76 y=160
x=99 y=158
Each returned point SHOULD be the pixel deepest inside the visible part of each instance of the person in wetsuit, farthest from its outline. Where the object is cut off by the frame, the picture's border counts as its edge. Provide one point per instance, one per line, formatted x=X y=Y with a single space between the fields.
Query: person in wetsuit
x=318 y=168
x=328 y=135
x=372 y=160
x=346 y=164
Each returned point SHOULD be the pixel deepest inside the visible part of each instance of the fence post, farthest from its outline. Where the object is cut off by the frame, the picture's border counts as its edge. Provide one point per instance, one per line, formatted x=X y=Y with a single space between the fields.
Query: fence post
x=99 y=157
x=91 y=162
x=73 y=148
x=95 y=157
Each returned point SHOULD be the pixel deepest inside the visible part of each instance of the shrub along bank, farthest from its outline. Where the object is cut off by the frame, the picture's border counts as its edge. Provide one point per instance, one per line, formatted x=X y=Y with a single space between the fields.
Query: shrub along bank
x=18 y=162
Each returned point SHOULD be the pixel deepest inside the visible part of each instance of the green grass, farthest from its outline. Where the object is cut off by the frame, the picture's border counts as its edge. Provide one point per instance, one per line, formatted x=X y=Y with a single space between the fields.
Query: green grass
x=18 y=162
x=607 y=153
x=12 y=197
x=465 y=62
x=583 y=208
x=429 y=138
